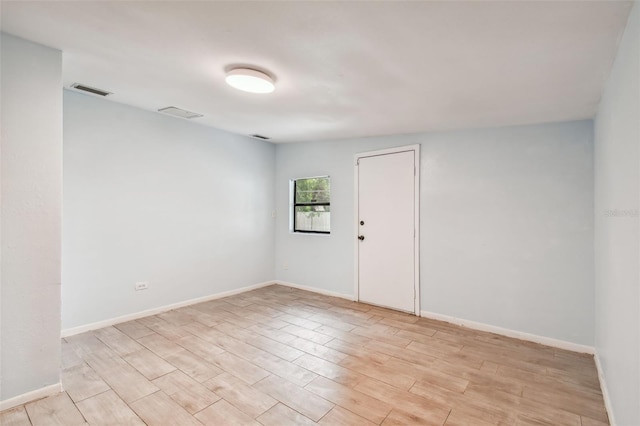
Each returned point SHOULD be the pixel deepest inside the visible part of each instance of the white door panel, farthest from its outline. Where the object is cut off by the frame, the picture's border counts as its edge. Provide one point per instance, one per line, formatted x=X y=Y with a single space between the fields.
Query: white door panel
x=386 y=206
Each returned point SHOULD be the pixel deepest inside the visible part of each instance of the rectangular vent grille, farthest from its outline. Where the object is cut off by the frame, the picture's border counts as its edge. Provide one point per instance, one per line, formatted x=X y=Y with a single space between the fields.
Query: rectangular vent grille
x=259 y=137
x=177 y=112
x=92 y=90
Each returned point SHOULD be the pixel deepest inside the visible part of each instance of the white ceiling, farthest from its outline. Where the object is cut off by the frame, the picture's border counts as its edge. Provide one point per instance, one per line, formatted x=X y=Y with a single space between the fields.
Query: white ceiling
x=343 y=69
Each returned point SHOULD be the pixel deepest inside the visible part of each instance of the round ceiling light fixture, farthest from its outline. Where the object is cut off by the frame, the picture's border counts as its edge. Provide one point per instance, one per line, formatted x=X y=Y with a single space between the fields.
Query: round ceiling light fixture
x=250 y=80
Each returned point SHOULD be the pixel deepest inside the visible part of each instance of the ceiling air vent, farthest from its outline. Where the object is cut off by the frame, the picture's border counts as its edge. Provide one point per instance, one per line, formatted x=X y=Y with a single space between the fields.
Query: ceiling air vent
x=91 y=90
x=177 y=112
x=260 y=137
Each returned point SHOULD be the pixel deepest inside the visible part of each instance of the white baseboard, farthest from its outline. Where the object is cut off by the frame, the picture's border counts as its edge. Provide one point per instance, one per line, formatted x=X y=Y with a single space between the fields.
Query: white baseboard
x=154 y=311
x=315 y=290
x=556 y=343
x=440 y=317
x=605 y=390
x=30 y=396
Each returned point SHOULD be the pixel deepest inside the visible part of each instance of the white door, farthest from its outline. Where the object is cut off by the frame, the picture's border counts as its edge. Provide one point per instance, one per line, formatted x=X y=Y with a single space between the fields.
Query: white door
x=386 y=209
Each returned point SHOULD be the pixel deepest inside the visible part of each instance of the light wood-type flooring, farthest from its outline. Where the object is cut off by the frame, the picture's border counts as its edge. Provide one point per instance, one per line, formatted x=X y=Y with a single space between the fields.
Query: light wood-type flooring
x=281 y=356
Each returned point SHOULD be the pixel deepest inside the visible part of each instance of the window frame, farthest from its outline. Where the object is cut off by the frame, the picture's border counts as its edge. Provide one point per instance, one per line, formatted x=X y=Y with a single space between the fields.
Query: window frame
x=294 y=205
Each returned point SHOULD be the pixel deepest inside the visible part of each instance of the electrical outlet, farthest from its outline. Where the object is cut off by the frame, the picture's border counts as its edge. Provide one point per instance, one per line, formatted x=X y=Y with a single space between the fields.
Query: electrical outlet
x=285 y=265
x=273 y=213
x=142 y=285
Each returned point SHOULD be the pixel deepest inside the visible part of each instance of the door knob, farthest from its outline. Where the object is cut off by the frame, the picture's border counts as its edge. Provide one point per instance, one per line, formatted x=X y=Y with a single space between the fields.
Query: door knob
x=361 y=237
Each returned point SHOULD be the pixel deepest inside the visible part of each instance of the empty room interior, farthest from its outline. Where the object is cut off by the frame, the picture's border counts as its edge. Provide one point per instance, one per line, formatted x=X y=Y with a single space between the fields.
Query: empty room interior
x=335 y=213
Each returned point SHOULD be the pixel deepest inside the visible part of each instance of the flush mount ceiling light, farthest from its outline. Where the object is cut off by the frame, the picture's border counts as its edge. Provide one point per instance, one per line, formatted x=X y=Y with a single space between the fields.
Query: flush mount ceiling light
x=250 y=80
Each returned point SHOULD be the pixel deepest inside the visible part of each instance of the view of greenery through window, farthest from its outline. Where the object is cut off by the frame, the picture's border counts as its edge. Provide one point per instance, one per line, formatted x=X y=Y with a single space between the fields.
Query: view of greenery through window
x=312 y=208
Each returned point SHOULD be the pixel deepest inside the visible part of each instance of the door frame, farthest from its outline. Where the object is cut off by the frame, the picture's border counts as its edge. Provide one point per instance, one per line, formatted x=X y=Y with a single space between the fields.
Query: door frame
x=416 y=213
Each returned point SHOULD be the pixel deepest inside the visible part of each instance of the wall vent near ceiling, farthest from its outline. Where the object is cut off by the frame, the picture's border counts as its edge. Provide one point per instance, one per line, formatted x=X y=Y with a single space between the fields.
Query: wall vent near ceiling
x=260 y=137
x=92 y=90
x=177 y=112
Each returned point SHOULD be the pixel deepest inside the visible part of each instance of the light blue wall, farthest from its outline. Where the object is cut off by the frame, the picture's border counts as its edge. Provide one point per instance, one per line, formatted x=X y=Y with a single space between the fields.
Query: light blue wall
x=506 y=224
x=154 y=198
x=31 y=216
x=617 y=230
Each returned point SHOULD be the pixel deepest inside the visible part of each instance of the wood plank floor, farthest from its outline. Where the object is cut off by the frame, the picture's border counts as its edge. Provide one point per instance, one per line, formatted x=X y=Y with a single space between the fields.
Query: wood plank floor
x=282 y=356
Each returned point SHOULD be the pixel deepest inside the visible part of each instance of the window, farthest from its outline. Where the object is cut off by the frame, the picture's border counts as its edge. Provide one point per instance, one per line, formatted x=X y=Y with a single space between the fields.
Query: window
x=311 y=205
